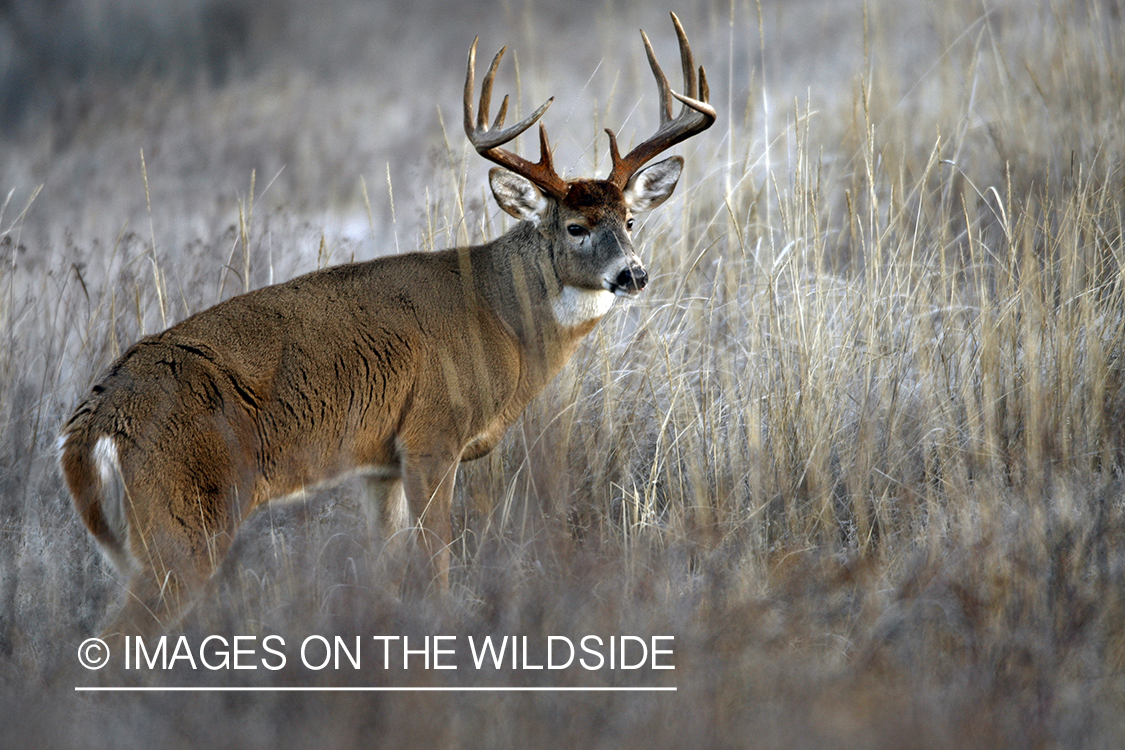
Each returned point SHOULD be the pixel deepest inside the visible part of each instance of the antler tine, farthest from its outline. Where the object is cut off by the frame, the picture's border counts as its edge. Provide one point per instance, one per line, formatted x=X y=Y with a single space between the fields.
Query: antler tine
x=695 y=116
x=487 y=141
x=687 y=63
x=499 y=121
x=467 y=103
x=486 y=90
x=661 y=81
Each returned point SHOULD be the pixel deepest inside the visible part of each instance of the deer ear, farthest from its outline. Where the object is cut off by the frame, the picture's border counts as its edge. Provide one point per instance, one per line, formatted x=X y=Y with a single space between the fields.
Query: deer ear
x=517 y=195
x=651 y=186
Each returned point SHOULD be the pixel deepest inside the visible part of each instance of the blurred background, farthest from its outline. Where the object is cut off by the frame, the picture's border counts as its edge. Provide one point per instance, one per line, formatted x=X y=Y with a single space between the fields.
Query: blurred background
x=312 y=98
x=309 y=96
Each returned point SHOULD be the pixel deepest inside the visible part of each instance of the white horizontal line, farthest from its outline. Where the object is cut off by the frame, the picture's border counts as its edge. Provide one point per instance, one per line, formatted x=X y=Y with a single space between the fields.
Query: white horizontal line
x=501 y=689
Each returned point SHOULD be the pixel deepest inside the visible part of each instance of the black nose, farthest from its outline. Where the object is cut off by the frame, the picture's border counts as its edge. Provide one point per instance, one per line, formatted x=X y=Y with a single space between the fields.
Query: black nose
x=632 y=279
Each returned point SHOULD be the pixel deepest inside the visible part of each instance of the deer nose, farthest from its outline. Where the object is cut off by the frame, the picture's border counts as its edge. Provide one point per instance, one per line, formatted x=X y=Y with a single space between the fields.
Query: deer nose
x=632 y=279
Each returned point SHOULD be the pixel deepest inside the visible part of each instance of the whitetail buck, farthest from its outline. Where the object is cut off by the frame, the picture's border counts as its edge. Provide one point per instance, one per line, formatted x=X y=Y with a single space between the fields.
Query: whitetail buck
x=398 y=368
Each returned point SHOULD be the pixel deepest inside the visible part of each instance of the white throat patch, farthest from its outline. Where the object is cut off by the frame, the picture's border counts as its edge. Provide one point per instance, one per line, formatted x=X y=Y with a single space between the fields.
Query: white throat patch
x=576 y=306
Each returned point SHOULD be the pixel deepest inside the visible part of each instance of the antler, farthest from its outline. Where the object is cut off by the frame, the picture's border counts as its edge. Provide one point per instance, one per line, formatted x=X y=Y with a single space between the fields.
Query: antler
x=487 y=141
x=695 y=116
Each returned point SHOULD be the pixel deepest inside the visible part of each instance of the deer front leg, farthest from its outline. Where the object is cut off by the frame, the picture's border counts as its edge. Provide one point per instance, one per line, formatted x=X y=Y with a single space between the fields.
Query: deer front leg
x=428 y=482
x=388 y=524
x=384 y=507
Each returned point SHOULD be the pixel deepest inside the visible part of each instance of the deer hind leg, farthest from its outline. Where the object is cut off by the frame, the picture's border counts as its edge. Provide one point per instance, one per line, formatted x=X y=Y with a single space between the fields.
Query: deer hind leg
x=173 y=551
x=155 y=599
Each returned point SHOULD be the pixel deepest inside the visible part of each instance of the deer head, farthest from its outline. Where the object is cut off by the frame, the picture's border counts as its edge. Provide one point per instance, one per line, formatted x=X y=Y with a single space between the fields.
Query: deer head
x=590 y=221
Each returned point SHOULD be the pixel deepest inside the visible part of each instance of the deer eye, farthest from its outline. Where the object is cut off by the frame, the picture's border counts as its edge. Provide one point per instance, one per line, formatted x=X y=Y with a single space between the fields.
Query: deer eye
x=629 y=225
x=577 y=230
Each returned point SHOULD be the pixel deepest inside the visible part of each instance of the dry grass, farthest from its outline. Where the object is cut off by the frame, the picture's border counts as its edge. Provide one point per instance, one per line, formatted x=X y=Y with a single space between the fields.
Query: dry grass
x=859 y=448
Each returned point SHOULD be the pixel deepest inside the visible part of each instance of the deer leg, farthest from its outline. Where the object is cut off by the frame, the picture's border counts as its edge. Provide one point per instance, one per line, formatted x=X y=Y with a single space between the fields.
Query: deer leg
x=387 y=520
x=160 y=591
x=173 y=549
x=384 y=507
x=429 y=484
x=154 y=600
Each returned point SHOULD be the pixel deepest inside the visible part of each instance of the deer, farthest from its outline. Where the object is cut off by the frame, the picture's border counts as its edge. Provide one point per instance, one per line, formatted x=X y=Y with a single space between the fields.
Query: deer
x=395 y=369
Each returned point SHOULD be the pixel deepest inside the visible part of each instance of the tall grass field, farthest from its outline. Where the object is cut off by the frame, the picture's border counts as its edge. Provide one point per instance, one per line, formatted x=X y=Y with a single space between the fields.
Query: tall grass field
x=855 y=458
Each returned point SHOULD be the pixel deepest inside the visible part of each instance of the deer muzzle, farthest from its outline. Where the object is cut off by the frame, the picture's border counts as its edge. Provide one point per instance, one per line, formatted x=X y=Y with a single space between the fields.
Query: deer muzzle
x=631 y=280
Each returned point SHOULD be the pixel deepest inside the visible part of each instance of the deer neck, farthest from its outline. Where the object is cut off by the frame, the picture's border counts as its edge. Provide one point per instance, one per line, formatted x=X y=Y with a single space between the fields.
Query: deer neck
x=519 y=282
